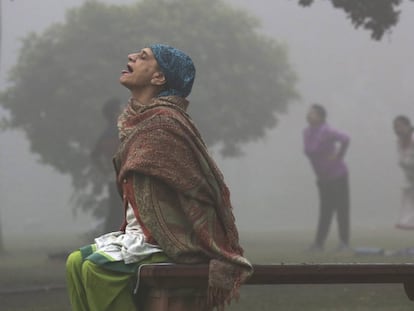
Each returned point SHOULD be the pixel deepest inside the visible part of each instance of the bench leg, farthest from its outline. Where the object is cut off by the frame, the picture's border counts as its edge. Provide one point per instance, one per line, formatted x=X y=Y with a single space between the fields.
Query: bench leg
x=158 y=299
x=409 y=289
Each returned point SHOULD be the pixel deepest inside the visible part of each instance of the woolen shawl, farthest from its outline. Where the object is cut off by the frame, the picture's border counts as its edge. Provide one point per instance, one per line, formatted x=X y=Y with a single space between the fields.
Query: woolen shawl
x=189 y=213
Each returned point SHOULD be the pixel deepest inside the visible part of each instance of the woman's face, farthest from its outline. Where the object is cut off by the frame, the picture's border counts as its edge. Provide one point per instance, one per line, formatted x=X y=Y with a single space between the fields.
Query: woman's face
x=402 y=129
x=313 y=117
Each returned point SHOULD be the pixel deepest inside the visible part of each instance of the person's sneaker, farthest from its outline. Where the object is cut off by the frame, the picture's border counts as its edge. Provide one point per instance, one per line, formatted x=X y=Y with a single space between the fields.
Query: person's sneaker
x=314 y=248
x=343 y=248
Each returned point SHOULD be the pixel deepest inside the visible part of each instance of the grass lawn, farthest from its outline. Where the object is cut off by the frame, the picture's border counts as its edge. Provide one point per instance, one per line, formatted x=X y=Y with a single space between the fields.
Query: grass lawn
x=28 y=277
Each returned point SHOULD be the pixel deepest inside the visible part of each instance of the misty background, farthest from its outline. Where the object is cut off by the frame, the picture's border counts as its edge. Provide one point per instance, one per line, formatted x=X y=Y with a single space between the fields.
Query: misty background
x=363 y=84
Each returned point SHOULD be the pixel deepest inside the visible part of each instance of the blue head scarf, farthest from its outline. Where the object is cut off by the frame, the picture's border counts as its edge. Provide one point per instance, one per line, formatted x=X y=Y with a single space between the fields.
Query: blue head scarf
x=177 y=67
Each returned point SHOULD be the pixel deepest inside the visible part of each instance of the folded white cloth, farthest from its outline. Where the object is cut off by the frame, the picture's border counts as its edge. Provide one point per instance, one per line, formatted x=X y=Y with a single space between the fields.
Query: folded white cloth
x=129 y=246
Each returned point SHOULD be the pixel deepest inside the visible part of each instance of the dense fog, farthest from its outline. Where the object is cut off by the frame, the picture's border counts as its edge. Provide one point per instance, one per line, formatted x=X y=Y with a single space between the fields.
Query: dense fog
x=363 y=84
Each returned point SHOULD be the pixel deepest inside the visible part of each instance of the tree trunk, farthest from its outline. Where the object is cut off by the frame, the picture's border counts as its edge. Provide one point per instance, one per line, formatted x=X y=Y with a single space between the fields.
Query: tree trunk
x=1 y=31
x=115 y=213
x=2 y=250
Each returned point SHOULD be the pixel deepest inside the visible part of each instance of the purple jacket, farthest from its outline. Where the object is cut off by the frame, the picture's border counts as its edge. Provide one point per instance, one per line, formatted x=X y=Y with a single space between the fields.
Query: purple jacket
x=326 y=147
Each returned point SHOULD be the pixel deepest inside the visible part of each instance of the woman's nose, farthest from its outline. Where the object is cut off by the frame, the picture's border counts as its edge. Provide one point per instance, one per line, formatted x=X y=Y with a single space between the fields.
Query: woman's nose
x=132 y=57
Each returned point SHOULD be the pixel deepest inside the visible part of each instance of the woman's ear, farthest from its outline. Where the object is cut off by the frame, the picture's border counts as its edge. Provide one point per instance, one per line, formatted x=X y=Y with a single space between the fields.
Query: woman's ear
x=158 y=78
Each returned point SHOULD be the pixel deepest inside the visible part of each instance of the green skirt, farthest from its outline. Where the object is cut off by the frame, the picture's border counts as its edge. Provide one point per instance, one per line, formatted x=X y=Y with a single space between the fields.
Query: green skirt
x=97 y=283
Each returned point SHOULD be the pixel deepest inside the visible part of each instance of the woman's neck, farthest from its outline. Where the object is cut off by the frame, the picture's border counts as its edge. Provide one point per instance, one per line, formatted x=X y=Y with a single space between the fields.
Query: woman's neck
x=144 y=96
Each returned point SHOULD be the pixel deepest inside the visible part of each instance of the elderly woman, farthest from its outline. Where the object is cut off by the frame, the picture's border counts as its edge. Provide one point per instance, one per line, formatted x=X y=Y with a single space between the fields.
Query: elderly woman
x=404 y=131
x=176 y=204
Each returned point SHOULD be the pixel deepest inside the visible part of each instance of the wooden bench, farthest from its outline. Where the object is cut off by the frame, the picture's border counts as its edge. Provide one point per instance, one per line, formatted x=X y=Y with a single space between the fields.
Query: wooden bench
x=163 y=285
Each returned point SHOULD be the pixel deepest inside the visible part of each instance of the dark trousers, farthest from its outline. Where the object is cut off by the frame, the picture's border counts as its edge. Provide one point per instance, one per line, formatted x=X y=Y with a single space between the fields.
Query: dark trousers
x=333 y=198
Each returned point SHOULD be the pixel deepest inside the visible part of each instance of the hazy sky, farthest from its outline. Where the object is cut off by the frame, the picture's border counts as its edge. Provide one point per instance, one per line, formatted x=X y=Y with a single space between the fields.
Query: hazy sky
x=363 y=83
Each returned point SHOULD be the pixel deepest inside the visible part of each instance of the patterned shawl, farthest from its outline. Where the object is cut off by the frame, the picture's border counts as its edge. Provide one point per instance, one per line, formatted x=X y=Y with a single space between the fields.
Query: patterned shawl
x=184 y=203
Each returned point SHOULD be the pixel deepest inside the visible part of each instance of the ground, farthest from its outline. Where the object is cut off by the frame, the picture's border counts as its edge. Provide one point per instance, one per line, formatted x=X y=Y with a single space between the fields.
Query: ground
x=31 y=280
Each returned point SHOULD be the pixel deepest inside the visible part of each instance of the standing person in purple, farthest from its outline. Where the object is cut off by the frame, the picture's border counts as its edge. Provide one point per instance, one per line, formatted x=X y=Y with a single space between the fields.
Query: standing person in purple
x=326 y=147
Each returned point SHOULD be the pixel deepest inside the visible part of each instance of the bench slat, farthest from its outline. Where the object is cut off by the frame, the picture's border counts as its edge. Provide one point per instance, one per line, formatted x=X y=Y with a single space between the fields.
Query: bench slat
x=162 y=281
x=176 y=276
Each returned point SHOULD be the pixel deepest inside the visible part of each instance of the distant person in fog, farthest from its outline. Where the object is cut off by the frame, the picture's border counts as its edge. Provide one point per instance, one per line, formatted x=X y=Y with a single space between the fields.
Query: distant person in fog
x=405 y=145
x=325 y=148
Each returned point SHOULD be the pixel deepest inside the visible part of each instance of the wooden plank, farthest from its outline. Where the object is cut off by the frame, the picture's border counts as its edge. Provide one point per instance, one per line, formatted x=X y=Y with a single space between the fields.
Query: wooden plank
x=168 y=278
x=332 y=273
x=175 y=276
x=291 y=273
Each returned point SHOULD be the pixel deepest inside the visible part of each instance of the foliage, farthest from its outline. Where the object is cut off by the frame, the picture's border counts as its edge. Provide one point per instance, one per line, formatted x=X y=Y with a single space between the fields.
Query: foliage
x=64 y=75
x=377 y=16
